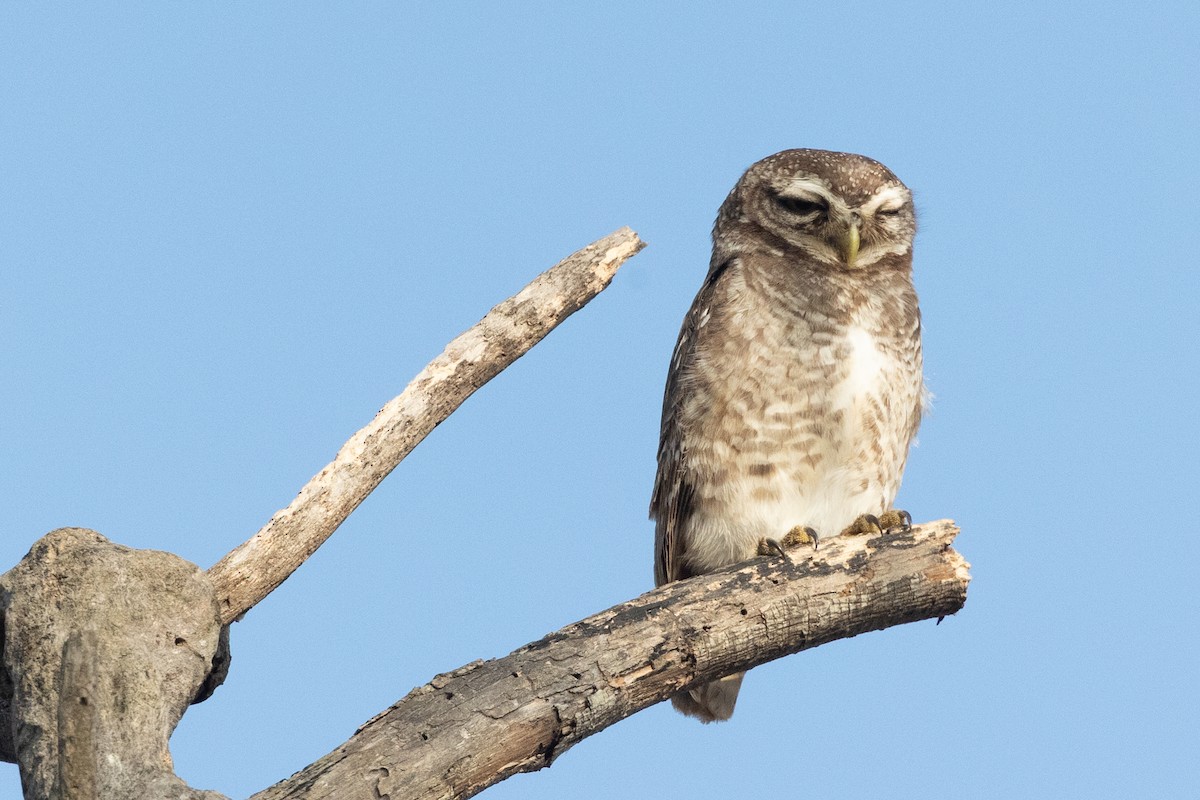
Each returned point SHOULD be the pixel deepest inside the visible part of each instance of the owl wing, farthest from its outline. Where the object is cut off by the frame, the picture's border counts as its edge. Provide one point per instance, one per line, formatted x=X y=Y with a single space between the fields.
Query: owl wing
x=671 y=502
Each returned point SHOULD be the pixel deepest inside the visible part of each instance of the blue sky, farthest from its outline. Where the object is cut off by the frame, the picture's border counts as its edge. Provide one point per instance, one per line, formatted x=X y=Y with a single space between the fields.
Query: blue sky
x=230 y=232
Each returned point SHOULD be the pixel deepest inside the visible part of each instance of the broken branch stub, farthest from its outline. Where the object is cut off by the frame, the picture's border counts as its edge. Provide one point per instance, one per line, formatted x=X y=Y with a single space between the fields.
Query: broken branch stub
x=257 y=567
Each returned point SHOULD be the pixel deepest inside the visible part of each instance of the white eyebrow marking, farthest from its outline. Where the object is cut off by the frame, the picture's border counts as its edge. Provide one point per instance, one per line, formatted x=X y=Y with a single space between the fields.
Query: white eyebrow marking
x=889 y=196
x=805 y=187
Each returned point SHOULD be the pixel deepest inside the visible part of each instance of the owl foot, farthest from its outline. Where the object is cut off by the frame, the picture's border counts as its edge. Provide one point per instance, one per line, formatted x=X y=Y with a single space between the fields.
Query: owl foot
x=801 y=534
x=893 y=521
x=770 y=547
x=896 y=521
x=866 y=523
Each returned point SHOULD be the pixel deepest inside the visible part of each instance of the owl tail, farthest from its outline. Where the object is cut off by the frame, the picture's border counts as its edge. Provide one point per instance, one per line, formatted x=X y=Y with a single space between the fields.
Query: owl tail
x=710 y=702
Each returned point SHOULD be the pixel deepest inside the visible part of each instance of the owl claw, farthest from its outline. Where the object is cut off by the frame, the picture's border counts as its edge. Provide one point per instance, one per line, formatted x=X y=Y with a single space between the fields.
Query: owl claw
x=865 y=524
x=770 y=547
x=896 y=521
x=802 y=534
x=799 y=535
x=893 y=521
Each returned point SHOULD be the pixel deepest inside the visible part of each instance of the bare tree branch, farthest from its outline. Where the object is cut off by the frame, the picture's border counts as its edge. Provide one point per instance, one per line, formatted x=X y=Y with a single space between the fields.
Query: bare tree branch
x=257 y=567
x=470 y=728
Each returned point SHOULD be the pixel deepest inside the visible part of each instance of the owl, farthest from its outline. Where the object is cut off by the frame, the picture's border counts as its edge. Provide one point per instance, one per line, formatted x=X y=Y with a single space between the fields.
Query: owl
x=795 y=388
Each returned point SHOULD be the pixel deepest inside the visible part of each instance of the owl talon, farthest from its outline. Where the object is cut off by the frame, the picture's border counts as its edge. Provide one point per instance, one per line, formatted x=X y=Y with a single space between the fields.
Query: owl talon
x=770 y=547
x=896 y=521
x=865 y=524
x=801 y=534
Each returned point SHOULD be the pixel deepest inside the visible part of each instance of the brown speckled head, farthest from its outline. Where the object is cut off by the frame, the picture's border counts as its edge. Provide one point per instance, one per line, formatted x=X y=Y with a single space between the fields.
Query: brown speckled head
x=841 y=209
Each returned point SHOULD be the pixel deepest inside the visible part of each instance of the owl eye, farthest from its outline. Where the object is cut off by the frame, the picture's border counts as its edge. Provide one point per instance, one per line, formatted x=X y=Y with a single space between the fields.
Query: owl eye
x=891 y=211
x=801 y=206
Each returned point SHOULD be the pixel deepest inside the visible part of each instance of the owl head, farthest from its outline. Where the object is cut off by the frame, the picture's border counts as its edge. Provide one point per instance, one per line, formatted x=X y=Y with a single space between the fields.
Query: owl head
x=841 y=210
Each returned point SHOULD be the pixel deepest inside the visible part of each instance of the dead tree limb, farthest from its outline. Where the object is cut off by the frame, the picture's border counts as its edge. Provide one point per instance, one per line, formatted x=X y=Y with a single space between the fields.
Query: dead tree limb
x=470 y=728
x=257 y=567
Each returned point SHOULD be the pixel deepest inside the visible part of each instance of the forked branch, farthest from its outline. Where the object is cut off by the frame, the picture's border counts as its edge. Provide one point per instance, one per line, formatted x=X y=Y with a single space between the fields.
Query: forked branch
x=257 y=567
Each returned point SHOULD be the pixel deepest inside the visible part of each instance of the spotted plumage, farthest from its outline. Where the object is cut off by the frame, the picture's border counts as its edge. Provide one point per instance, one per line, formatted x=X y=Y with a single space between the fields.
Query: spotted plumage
x=795 y=387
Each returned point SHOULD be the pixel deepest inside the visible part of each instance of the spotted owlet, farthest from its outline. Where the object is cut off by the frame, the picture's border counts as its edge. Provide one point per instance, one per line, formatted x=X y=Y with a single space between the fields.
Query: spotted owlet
x=795 y=387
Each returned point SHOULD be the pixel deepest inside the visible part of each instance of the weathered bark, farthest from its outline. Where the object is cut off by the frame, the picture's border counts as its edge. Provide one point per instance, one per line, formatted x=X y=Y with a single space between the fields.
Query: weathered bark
x=256 y=568
x=104 y=648
x=468 y=729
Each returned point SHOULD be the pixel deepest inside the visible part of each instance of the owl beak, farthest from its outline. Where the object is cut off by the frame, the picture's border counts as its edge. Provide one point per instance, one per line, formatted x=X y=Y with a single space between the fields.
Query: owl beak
x=850 y=243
